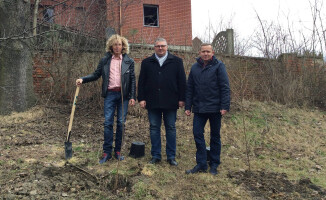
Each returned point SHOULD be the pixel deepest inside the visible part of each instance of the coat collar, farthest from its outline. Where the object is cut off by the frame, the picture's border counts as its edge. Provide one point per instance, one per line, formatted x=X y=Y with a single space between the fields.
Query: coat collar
x=169 y=58
x=126 y=62
x=125 y=57
x=117 y=57
x=201 y=62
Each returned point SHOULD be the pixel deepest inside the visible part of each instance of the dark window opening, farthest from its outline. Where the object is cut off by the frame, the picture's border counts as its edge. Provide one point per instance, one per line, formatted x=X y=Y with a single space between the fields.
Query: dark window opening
x=150 y=15
x=48 y=15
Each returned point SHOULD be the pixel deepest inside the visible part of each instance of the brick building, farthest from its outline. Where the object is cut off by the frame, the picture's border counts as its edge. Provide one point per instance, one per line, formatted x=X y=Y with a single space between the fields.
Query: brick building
x=141 y=21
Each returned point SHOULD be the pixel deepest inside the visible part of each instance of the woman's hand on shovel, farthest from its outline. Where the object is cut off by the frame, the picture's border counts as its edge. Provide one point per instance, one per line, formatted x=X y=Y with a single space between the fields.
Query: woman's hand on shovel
x=79 y=81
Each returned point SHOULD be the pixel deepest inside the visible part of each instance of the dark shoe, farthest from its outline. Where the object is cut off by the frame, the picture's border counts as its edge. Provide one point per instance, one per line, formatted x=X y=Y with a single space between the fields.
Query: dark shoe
x=154 y=161
x=196 y=169
x=213 y=171
x=172 y=162
x=105 y=158
x=118 y=156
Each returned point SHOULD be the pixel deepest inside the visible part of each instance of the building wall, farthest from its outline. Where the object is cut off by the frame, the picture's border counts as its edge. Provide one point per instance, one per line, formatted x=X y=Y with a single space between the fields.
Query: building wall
x=86 y=16
x=174 y=21
x=296 y=63
x=93 y=17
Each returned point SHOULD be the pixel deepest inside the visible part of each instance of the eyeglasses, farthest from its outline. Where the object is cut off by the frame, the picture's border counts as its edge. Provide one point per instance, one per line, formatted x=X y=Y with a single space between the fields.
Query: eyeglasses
x=160 y=46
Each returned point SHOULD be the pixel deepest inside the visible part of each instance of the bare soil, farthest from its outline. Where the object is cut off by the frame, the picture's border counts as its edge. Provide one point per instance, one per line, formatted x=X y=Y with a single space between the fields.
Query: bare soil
x=33 y=166
x=269 y=185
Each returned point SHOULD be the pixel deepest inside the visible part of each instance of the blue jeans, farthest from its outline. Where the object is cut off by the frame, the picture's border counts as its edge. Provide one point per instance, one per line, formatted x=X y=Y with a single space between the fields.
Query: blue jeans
x=155 y=119
x=199 y=122
x=112 y=102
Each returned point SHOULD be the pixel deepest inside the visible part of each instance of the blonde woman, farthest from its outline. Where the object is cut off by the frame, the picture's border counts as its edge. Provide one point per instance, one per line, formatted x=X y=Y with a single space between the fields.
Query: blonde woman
x=117 y=72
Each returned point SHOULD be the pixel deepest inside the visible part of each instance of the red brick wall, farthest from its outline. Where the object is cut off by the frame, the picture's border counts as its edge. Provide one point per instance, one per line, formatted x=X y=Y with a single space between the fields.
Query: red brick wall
x=249 y=76
x=174 y=21
x=87 y=16
x=55 y=71
x=295 y=63
x=41 y=77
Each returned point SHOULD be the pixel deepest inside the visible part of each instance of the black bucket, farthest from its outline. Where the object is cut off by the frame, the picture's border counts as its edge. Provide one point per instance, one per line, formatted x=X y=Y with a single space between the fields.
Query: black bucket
x=137 y=150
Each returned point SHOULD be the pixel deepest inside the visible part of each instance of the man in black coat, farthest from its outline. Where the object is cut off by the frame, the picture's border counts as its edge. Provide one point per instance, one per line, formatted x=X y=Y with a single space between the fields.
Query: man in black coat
x=208 y=96
x=161 y=90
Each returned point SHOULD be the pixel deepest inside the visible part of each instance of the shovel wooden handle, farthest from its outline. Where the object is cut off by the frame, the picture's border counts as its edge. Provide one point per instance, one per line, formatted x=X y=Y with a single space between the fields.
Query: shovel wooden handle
x=72 y=113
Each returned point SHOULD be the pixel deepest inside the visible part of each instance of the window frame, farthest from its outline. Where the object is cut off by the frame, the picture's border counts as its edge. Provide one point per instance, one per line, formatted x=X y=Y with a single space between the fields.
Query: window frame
x=157 y=14
x=48 y=19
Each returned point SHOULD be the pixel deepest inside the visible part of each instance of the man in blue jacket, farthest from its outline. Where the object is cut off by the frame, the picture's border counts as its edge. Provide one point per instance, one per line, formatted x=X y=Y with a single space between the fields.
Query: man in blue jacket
x=208 y=95
x=161 y=90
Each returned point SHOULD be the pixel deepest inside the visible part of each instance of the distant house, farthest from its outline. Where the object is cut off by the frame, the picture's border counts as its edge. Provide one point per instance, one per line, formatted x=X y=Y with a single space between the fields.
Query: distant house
x=141 y=21
x=196 y=44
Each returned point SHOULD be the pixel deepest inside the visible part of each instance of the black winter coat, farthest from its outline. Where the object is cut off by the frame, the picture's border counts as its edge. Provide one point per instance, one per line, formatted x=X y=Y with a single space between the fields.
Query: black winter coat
x=208 y=89
x=127 y=72
x=162 y=87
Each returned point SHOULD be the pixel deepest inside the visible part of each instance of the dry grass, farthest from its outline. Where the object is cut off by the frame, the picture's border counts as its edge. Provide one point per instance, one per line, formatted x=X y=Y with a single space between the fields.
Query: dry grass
x=281 y=139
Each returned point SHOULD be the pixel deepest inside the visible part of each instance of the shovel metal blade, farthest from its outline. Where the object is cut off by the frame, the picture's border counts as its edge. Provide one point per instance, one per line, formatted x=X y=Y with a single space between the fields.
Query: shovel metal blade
x=68 y=150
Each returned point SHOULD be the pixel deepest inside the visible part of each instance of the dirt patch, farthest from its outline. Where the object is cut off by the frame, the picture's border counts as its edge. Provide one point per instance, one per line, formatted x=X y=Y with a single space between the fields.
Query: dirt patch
x=270 y=185
x=32 y=157
x=53 y=182
x=48 y=182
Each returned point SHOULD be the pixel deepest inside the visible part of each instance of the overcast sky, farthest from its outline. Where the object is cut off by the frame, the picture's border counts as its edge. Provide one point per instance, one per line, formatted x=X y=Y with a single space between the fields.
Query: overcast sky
x=241 y=14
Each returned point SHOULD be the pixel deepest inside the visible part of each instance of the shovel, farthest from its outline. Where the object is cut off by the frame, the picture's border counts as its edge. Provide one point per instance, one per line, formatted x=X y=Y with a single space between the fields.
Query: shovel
x=68 y=144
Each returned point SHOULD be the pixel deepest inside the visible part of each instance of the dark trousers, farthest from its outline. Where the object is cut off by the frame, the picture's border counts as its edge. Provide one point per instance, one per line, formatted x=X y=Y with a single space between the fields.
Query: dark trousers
x=155 y=120
x=199 y=123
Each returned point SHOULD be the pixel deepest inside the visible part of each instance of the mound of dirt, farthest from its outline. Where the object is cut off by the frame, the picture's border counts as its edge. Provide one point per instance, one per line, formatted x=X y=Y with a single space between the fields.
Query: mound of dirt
x=272 y=185
x=53 y=182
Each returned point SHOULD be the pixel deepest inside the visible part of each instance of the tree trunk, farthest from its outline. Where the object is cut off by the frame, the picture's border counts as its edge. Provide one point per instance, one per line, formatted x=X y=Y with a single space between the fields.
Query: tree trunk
x=16 y=80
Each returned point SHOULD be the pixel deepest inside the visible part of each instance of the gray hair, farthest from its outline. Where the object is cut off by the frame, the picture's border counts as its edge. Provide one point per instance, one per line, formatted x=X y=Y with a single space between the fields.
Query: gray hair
x=160 y=40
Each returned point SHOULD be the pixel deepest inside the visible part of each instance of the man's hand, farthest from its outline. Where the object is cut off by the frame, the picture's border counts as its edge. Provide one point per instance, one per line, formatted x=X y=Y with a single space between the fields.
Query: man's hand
x=187 y=112
x=223 y=112
x=79 y=81
x=142 y=104
x=132 y=102
x=181 y=104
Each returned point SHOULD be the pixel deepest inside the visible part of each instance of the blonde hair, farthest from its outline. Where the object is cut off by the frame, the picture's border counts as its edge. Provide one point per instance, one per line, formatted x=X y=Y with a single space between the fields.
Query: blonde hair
x=110 y=42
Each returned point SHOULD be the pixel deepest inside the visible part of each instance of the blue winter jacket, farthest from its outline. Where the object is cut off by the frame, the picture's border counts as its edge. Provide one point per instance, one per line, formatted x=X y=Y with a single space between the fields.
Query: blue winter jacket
x=208 y=89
